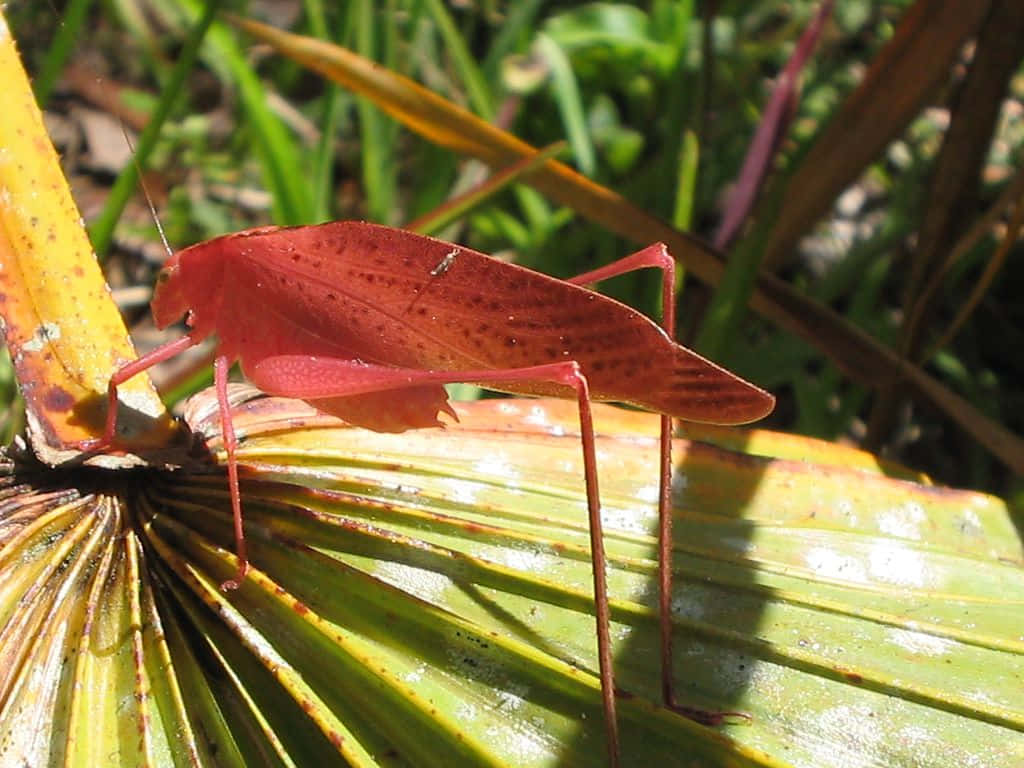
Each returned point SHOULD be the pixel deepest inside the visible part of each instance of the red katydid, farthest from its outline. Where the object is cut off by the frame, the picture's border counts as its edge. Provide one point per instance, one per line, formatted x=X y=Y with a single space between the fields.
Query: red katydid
x=368 y=323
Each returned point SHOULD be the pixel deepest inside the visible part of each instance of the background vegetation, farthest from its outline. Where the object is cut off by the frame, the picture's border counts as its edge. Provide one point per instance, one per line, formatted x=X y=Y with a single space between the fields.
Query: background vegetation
x=659 y=101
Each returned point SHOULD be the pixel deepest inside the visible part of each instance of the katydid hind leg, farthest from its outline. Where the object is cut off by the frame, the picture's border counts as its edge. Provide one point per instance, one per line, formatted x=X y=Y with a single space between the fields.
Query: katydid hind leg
x=220 y=374
x=598 y=563
x=317 y=378
x=657 y=256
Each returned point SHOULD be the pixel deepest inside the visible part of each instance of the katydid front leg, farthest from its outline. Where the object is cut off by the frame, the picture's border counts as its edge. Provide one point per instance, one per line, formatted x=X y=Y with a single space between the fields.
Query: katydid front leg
x=119 y=377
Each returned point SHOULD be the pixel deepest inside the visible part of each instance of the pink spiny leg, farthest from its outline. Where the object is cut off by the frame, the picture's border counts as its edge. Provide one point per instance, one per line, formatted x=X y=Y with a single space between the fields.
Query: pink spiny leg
x=227 y=430
x=313 y=378
x=120 y=376
x=657 y=256
x=221 y=366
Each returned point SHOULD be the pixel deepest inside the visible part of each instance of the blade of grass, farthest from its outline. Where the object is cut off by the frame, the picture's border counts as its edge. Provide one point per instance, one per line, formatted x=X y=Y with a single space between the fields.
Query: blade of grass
x=460 y=206
x=69 y=29
x=570 y=105
x=679 y=113
x=376 y=131
x=465 y=64
x=686 y=188
x=102 y=230
x=1013 y=233
x=455 y=128
x=686 y=181
x=139 y=25
x=984 y=224
x=323 y=163
x=732 y=295
x=279 y=153
x=517 y=23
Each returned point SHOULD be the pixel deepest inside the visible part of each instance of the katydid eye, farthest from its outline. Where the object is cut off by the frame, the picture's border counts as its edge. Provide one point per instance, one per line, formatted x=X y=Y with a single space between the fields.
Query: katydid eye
x=163 y=275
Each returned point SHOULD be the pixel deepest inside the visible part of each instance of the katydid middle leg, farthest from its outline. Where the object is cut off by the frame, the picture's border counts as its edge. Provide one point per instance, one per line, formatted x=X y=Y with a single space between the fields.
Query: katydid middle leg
x=221 y=366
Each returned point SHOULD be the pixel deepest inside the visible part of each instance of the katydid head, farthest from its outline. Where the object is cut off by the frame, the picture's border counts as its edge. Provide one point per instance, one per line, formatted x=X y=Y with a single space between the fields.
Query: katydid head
x=169 y=302
x=191 y=284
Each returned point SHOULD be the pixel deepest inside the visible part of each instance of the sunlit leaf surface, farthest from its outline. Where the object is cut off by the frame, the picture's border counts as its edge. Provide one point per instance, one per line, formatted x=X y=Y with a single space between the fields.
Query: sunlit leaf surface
x=424 y=599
